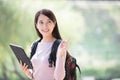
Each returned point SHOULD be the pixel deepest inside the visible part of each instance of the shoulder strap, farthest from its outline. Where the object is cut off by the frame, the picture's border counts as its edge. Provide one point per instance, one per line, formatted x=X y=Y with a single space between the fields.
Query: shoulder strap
x=78 y=68
x=33 y=48
x=52 y=57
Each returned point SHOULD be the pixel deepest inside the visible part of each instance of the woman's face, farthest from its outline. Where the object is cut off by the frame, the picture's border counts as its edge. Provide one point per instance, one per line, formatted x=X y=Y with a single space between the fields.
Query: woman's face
x=45 y=26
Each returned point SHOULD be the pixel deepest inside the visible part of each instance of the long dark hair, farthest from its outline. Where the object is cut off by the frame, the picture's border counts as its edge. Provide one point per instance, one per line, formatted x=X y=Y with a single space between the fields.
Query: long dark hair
x=52 y=17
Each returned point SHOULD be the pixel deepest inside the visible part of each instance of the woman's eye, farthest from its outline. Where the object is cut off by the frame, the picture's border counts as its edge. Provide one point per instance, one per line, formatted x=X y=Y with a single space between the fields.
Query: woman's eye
x=40 y=22
x=49 y=21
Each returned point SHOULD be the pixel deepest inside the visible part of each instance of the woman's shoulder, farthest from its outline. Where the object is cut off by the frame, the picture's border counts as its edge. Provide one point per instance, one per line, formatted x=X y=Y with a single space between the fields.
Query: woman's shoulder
x=35 y=41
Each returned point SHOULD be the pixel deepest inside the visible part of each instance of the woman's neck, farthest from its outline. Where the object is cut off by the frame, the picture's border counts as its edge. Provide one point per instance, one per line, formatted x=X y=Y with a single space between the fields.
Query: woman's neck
x=48 y=39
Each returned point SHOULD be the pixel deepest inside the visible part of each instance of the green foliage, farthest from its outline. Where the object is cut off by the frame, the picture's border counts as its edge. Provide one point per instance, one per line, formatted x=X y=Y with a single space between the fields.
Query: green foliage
x=93 y=33
x=103 y=74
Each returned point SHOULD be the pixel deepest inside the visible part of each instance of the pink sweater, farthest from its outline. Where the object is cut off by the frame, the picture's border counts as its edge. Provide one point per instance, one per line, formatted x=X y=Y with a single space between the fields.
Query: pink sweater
x=41 y=69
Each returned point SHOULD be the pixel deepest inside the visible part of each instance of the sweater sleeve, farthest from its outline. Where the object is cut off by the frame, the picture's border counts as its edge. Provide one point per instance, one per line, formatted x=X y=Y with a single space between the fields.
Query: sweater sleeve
x=59 y=72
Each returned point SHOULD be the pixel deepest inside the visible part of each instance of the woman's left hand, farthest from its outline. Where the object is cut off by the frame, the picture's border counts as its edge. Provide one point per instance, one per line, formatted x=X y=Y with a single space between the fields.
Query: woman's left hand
x=62 y=48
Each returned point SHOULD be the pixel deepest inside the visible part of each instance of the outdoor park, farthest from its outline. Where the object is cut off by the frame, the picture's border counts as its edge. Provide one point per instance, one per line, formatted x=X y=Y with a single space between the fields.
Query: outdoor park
x=92 y=27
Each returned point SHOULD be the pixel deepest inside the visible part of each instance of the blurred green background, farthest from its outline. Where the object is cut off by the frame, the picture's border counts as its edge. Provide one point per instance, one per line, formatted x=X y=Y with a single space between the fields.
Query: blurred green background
x=92 y=27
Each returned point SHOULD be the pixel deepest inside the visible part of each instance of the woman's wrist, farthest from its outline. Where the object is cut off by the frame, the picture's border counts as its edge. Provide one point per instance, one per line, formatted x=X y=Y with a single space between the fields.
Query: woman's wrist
x=61 y=53
x=30 y=75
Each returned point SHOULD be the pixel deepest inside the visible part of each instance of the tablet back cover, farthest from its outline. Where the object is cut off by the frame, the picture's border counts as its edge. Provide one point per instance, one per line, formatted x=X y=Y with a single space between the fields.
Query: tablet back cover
x=21 y=55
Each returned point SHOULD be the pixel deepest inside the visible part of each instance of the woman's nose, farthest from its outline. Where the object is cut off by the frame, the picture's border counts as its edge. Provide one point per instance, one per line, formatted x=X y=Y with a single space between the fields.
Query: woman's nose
x=46 y=25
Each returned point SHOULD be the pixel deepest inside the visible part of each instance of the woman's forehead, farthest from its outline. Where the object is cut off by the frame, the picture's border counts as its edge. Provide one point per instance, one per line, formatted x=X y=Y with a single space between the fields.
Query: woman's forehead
x=43 y=17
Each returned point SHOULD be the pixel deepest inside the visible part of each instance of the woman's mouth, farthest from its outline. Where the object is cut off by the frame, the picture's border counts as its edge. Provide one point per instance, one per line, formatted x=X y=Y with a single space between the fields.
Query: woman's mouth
x=45 y=31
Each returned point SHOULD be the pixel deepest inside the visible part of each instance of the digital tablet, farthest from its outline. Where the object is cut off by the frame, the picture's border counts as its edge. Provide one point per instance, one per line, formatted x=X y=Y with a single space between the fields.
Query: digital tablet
x=21 y=55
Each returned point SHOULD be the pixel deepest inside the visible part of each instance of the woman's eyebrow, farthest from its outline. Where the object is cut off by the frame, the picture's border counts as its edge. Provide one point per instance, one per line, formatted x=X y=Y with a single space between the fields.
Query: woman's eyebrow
x=49 y=19
x=40 y=20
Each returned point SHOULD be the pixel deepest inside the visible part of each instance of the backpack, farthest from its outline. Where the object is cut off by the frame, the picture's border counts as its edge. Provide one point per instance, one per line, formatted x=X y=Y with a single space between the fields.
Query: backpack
x=70 y=64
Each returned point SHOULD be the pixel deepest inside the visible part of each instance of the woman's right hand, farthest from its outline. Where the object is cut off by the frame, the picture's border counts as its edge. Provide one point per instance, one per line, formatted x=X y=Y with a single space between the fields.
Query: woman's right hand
x=25 y=69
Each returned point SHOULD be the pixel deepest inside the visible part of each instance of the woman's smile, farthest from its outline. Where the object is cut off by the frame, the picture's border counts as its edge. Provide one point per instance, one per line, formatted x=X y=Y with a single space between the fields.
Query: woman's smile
x=45 y=30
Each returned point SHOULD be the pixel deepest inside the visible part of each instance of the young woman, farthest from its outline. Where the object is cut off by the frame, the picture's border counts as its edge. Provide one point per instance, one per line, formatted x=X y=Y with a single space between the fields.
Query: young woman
x=47 y=29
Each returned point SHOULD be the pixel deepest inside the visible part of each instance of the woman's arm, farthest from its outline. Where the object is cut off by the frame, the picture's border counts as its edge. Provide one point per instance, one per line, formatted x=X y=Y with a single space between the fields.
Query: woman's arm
x=59 y=73
x=25 y=69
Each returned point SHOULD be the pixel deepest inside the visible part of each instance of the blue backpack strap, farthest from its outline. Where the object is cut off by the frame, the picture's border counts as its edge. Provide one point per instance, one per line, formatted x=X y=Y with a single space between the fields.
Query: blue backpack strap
x=34 y=47
x=52 y=56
